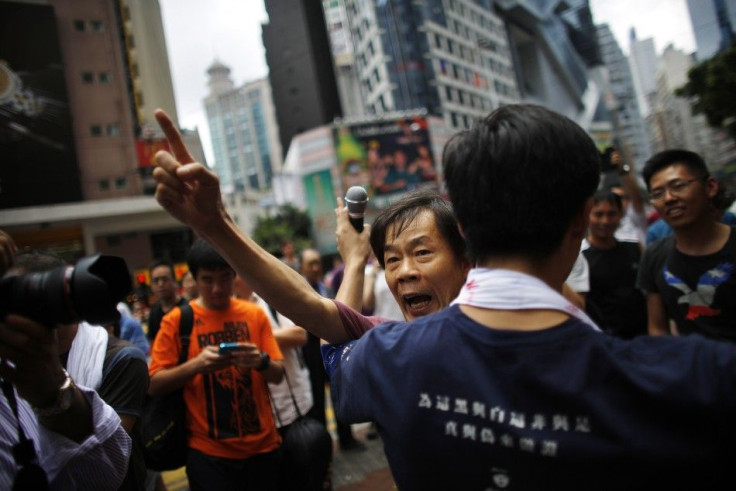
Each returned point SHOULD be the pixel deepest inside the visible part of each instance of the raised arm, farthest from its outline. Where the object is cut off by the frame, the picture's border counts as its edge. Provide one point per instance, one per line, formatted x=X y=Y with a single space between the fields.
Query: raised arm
x=191 y=194
x=354 y=248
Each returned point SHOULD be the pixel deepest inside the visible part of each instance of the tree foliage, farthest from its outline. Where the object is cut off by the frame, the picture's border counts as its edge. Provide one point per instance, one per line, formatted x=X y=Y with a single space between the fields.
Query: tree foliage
x=712 y=88
x=289 y=224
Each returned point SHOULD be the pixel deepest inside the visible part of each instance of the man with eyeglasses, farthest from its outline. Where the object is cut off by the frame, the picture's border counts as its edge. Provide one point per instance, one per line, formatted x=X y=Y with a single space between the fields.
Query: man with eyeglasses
x=689 y=276
x=163 y=285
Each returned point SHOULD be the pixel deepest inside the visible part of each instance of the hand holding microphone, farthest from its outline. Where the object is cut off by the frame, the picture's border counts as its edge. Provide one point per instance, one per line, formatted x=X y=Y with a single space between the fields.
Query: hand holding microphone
x=356 y=200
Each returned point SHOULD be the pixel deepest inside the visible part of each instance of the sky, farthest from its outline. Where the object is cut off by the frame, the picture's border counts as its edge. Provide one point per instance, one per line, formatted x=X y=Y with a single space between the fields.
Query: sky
x=199 y=32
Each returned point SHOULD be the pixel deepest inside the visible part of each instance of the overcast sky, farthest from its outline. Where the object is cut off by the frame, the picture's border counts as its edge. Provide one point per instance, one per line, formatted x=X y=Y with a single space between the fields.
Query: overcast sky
x=199 y=32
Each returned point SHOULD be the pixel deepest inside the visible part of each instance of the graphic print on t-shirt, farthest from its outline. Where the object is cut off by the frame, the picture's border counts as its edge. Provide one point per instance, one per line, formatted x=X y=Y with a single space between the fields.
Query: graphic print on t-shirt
x=230 y=405
x=700 y=300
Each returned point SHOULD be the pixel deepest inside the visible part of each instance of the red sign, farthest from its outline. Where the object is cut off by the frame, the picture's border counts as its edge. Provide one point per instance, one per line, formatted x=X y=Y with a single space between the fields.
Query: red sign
x=146 y=150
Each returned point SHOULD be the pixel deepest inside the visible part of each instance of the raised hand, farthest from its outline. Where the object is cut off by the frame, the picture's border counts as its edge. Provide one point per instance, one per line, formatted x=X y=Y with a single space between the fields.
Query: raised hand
x=186 y=189
x=354 y=247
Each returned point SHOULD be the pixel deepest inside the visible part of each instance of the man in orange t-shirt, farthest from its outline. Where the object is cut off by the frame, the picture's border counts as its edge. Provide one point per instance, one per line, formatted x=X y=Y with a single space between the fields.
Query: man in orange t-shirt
x=233 y=441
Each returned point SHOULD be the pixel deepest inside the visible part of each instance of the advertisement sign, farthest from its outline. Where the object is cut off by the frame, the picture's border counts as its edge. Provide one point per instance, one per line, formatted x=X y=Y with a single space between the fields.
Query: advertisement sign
x=320 y=196
x=39 y=164
x=388 y=157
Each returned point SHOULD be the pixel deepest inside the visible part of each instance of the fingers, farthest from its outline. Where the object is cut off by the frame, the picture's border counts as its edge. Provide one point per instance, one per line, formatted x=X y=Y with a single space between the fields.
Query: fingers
x=173 y=136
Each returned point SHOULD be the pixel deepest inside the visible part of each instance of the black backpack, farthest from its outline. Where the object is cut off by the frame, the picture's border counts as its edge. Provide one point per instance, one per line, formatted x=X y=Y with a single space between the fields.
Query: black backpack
x=163 y=422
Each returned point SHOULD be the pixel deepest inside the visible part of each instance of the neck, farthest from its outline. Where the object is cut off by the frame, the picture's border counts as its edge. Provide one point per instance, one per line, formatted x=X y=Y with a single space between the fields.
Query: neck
x=544 y=269
x=602 y=243
x=702 y=238
x=167 y=304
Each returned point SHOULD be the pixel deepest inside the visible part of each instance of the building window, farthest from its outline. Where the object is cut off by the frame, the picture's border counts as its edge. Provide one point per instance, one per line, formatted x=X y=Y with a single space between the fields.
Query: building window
x=103 y=184
x=96 y=26
x=88 y=77
x=104 y=77
x=79 y=25
x=113 y=129
x=121 y=182
x=95 y=130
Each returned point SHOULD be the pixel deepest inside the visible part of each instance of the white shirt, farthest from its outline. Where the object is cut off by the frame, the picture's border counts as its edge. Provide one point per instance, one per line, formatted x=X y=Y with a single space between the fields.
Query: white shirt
x=297 y=372
x=100 y=462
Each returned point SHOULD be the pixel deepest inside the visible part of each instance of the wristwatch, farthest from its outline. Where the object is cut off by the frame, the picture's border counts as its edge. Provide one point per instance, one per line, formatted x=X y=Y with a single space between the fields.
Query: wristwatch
x=265 y=362
x=64 y=398
x=625 y=169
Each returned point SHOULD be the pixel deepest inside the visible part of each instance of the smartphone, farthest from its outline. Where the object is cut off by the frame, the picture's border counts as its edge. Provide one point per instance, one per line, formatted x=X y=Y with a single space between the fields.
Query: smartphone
x=226 y=348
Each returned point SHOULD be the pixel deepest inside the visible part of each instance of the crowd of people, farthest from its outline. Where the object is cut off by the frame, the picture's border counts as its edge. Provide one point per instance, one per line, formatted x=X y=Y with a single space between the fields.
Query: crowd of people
x=523 y=332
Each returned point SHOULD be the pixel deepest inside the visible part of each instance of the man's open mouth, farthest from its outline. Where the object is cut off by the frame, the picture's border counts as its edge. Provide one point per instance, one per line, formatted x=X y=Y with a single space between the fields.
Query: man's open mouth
x=417 y=301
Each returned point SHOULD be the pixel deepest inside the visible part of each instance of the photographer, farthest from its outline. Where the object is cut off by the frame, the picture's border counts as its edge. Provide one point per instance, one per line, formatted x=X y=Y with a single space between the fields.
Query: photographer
x=74 y=440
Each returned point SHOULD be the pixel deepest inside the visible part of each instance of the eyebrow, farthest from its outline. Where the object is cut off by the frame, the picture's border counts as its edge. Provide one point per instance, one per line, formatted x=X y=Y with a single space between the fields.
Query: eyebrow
x=422 y=239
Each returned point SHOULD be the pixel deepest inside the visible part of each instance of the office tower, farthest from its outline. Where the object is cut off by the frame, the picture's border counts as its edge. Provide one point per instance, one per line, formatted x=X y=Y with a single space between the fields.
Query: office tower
x=713 y=24
x=451 y=58
x=643 y=60
x=300 y=65
x=628 y=124
x=244 y=132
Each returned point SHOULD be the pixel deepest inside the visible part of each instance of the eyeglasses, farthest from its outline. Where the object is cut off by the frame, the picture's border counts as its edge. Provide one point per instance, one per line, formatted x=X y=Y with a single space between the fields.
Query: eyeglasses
x=675 y=188
x=161 y=279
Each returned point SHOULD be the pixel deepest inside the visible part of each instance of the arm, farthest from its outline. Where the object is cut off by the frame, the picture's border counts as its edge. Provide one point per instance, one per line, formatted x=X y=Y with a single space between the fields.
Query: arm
x=576 y=298
x=657 y=321
x=191 y=194
x=629 y=181
x=354 y=248
x=369 y=293
x=83 y=446
x=290 y=337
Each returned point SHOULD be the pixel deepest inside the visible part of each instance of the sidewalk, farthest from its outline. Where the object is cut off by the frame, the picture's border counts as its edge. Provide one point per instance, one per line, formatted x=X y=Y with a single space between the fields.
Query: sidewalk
x=351 y=470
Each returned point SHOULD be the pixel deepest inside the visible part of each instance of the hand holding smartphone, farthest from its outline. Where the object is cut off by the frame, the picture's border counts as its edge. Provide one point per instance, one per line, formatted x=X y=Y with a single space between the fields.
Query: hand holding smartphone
x=227 y=348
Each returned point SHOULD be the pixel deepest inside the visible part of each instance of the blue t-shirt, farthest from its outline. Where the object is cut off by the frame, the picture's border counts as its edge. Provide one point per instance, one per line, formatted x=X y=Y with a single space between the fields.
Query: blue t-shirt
x=462 y=406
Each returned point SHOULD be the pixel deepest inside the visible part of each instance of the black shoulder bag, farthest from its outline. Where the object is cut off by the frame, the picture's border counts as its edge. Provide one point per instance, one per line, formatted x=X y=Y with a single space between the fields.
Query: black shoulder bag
x=163 y=422
x=306 y=449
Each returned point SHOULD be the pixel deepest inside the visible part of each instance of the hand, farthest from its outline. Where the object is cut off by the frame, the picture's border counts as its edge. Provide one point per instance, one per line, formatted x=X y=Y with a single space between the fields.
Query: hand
x=7 y=251
x=248 y=357
x=354 y=247
x=30 y=359
x=210 y=360
x=186 y=189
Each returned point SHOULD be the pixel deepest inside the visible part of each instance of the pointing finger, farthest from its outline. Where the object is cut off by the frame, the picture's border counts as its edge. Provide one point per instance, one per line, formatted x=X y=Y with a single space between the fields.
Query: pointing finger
x=173 y=136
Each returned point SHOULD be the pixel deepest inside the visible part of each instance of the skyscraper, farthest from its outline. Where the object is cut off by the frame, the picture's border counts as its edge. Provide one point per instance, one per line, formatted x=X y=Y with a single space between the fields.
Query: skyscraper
x=300 y=65
x=244 y=131
x=713 y=25
x=628 y=123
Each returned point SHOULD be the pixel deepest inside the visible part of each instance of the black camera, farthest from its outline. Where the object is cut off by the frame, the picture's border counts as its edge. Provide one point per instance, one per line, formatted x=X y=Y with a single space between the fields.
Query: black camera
x=89 y=291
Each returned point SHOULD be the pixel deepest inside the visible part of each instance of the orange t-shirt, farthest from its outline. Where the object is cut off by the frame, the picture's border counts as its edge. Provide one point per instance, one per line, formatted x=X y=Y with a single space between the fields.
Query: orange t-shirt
x=229 y=414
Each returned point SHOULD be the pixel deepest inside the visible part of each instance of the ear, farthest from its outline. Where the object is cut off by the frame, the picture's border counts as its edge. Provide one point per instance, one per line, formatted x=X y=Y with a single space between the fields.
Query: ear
x=711 y=187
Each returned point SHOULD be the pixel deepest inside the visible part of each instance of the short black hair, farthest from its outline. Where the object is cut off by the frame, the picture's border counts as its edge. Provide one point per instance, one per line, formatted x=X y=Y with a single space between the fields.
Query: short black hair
x=608 y=196
x=35 y=261
x=517 y=179
x=162 y=262
x=203 y=255
x=405 y=210
x=659 y=161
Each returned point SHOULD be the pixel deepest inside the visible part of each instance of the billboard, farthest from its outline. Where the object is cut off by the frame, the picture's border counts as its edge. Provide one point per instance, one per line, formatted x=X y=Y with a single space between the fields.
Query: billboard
x=39 y=163
x=145 y=150
x=387 y=157
x=320 y=196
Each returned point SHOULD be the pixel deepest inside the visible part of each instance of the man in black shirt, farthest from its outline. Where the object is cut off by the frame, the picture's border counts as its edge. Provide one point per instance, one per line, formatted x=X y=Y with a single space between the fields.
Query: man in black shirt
x=688 y=277
x=164 y=287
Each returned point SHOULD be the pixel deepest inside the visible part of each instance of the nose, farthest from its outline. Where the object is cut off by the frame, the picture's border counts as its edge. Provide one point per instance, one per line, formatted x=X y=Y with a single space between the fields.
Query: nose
x=407 y=270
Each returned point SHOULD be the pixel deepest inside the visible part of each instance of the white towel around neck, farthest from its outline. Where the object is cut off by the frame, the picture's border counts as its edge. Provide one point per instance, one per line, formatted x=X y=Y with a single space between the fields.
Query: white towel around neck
x=87 y=355
x=503 y=289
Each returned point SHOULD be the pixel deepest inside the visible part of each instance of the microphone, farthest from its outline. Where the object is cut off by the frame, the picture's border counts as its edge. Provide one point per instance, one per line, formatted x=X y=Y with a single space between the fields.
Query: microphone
x=356 y=200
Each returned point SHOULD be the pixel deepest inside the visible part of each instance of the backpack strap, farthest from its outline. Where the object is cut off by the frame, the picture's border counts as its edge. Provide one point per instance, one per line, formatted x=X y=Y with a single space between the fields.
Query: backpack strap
x=186 y=322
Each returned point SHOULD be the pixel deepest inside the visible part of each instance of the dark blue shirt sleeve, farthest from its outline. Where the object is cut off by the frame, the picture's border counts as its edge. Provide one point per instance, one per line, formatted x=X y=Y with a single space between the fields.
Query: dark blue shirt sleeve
x=349 y=380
